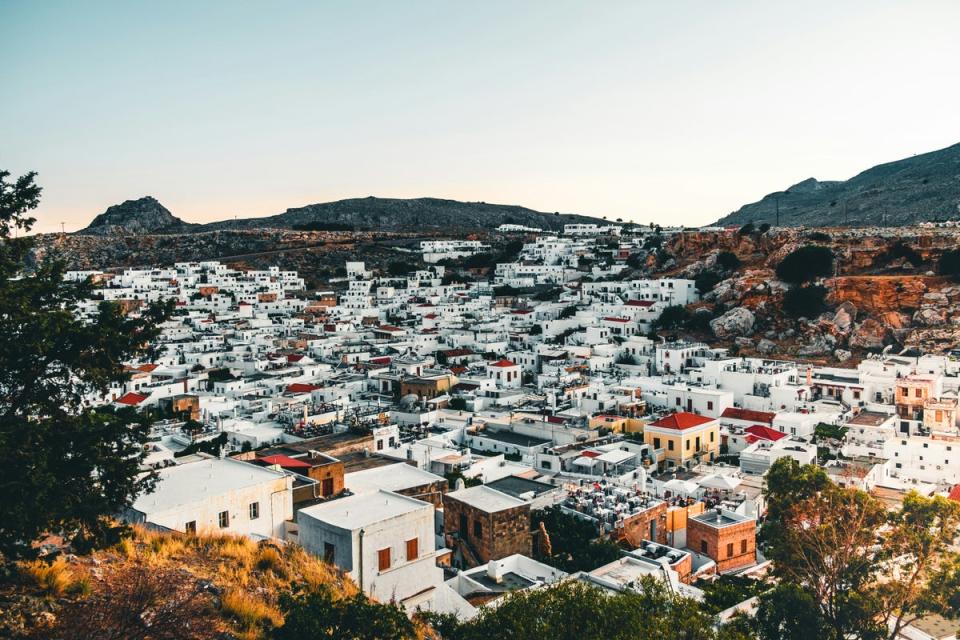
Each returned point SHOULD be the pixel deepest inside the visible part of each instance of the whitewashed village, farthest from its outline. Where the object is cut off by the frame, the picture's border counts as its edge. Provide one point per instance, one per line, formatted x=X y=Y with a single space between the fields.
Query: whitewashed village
x=414 y=430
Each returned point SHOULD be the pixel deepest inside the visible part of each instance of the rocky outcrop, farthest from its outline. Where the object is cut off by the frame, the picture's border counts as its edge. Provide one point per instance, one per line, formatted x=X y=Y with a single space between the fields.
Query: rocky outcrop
x=135 y=217
x=879 y=294
x=922 y=187
x=733 y=323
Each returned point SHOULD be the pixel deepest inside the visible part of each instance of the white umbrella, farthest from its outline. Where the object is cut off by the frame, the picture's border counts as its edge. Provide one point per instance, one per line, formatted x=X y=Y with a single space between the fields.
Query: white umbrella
x=681 y=486
x=716 y=481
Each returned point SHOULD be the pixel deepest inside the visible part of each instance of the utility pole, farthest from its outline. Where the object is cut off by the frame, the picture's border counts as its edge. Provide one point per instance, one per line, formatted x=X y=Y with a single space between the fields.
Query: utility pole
x=62 y=232
x=777 y=200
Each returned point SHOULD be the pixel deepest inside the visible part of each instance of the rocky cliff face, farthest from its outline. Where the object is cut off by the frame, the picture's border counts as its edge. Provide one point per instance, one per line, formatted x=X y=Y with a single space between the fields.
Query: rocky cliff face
x=876 y=298
x=144 y=215
x=923 y=187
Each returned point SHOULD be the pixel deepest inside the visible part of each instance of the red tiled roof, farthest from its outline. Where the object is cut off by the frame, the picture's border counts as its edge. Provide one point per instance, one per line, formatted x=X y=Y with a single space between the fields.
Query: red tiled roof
x=431 y=316
x=955 y=493
x=284 y=461
x=680 y=421
x=458 y=369
x=589 y=454
x=296 y=357
x=640 y=303
x=748 y=414
x=382 y=360
x=302 y=387
x=147 y=368
x=613 y=319
x=766 y=433
x=132 y=398
x=454 y=353
x=503 y=363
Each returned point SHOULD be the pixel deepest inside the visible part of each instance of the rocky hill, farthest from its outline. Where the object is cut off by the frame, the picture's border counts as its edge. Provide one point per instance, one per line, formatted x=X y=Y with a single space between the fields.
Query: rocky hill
x=146 y=215
x=925 y=187
x=133 y=217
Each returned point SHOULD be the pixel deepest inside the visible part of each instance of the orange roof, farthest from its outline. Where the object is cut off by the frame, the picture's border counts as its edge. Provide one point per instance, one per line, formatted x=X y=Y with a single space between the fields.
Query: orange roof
x=955 y=493
x=132 y=398
x=503 y=363
x=147 y=368
x=748 y=414
x=302 y=387
x=681 y=421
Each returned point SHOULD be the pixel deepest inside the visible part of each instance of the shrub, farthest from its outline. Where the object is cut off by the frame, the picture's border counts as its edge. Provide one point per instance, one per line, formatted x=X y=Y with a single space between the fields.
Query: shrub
x=806 y=302
x=54 y=577
x=747 y=229
x=764 y=227
x=318 y=614
x=728 y=260
x=706 y=281
x=249 y=612
x=818 y=236
x=806 y=264
x=673 y=317
x=950 y=264
x=901 y=249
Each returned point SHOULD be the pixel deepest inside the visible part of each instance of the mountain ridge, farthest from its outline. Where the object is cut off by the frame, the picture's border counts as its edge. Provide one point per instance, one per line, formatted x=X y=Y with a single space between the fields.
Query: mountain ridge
x=924 y=187
x=147 y=215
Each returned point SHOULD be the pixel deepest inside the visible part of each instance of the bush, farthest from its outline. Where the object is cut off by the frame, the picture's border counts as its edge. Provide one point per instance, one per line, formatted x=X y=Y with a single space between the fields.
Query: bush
x=673 y=317
x=400 y=268
x=950 y=264
x=764 y=227
x=706 y=281
x=747 y=229
x=318 y=614
x=806 y=264
x=818 y=236
x=806 y=302
x=54 y=578
x=728 y=260
x=902 y=250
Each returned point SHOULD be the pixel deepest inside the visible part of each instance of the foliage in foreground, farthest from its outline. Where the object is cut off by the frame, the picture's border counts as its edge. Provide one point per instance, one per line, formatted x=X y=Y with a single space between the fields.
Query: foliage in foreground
x=64 y=466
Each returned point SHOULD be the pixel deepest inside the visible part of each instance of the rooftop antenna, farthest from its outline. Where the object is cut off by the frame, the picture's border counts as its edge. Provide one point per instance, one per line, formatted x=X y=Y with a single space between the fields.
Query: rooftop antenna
x=62 y=232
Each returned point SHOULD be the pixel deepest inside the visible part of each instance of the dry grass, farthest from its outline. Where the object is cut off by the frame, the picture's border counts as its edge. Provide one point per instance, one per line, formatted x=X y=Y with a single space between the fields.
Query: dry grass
x=251 y=576
x=249 y=611
x=54 y=578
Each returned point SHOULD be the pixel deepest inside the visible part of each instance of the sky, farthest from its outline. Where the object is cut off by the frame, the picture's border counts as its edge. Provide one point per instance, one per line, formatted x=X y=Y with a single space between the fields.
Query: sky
x=672 y=112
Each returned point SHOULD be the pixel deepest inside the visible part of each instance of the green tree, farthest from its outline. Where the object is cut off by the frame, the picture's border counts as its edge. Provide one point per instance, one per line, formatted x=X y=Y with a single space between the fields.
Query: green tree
x=574 y=610
x=575 y=542
x=950 y=264
x=805 y=302
x=706 y=281
x=316 y=613
x=727 y=260
x=64 y=466
x=805 y=264
x=673 y=317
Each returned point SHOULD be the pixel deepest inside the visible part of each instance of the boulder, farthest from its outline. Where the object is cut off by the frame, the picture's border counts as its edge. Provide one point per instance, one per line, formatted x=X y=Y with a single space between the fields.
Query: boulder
x=766 y=347
x=842 y=355
x=869 y=334
x=820 y=344
x=736 y=322
x=929 y=317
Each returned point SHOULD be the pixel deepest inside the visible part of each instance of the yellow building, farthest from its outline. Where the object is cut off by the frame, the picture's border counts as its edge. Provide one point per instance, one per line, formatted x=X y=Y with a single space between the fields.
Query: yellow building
x=683 y=439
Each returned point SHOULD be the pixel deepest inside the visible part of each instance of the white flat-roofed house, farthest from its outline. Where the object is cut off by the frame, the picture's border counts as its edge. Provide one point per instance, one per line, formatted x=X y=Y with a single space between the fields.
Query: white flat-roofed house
x=385 y=542
x=217 y=494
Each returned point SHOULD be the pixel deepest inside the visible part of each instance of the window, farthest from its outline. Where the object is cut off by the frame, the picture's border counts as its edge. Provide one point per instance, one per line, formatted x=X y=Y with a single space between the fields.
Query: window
x=413 y=550
x=545 y=464
x=729 y=549
x=379 y=445
x=711 y=436
x=916 y=393
x=687 y=445
x=743 y=546
x=190 y=527
x=383 y=559
x=224 y=518
x=670 y=445
x=254 y=510
x=477 y=529
x=678 y=402
x=329 y=552
x=709 y=405
x=656 y=443
x=703 y=546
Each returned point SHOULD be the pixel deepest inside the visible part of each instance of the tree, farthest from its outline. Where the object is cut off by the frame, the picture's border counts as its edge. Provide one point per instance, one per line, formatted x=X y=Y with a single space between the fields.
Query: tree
x=950 y=264
x=64 y=466
x=673 y=317
x=805 y=264
x=747 y=229
x=853 y=569
x=574 y=542
x=805 y=302
x=400 y=268
x=316 y=613
x=574 y=610
x=706 y=281
x=728 y=260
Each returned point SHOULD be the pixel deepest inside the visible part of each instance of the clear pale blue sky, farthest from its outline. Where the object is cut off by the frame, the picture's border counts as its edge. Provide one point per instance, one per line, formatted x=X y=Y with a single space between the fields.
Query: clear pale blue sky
x=673 y=112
